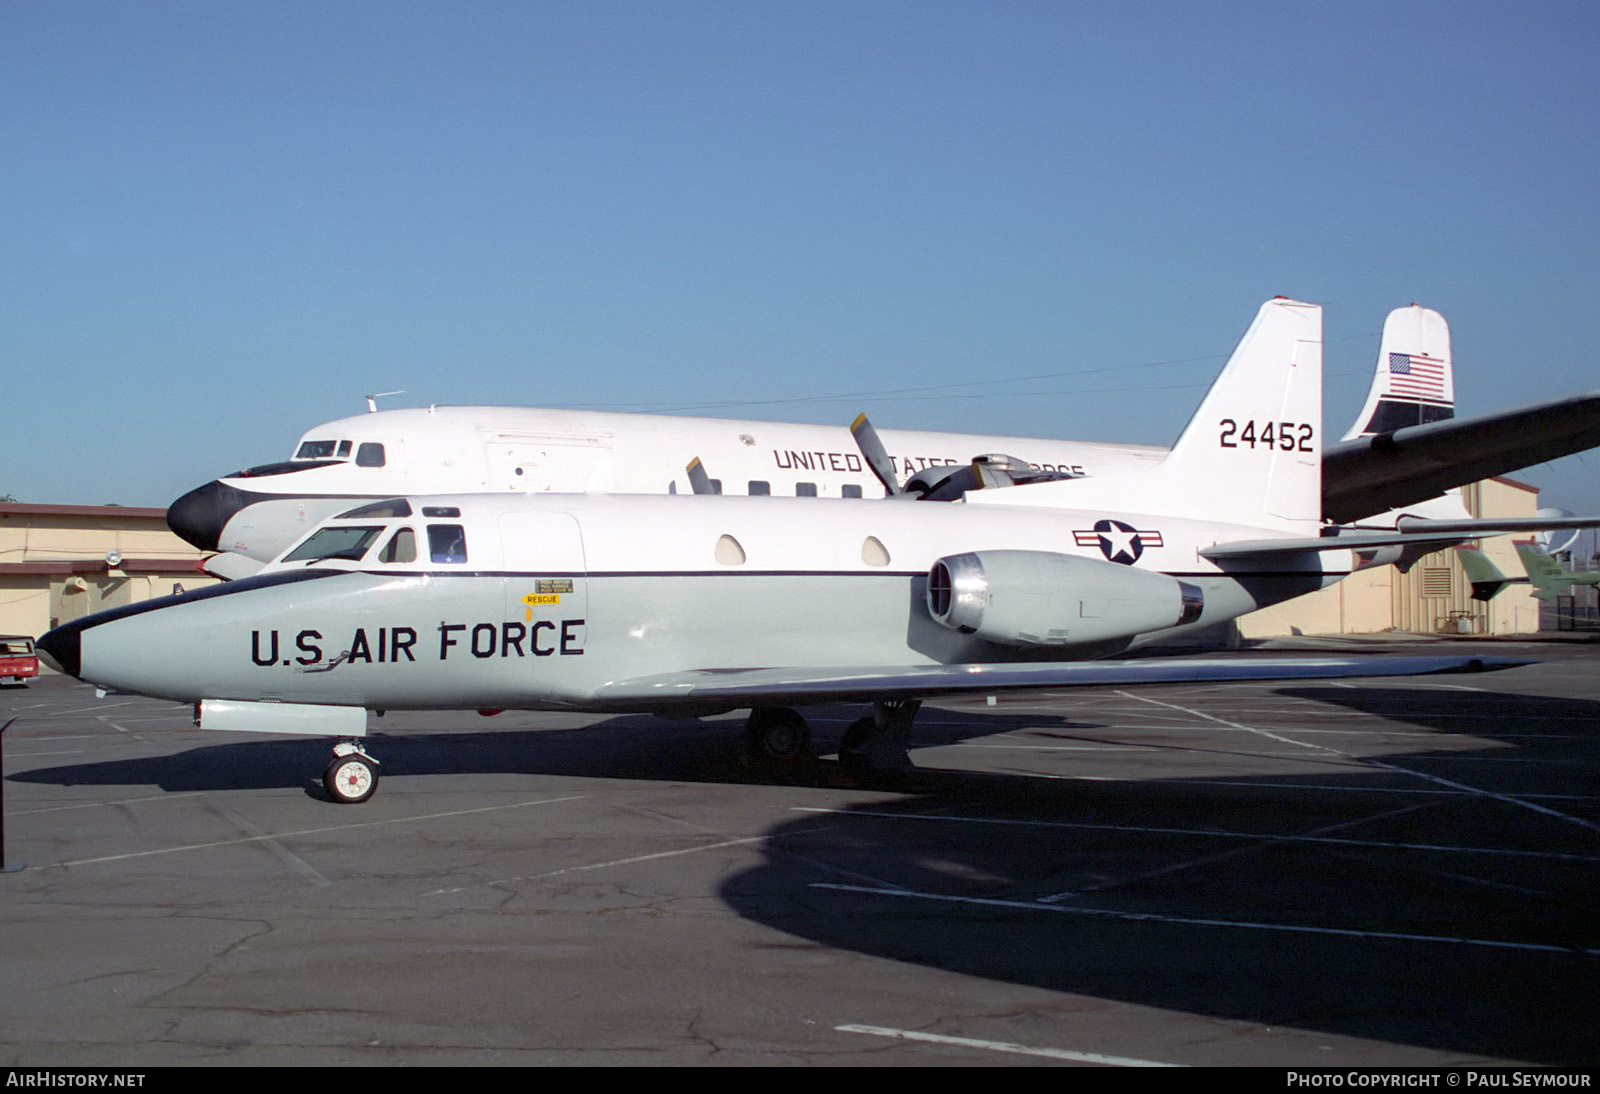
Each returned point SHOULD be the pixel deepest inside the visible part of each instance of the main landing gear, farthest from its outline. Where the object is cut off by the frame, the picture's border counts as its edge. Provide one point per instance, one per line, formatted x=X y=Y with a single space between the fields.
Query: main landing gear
x=880 y=743
x=776 y=735
x=351 y=777
x=877 y=744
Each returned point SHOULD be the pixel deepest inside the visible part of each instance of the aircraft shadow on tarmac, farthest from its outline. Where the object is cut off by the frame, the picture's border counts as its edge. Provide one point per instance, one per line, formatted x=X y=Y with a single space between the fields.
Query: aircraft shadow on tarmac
x=1271 y=902
x=1131 y=890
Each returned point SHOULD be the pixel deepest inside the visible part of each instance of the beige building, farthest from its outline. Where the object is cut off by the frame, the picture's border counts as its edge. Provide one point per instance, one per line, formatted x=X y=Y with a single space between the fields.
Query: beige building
x=1433 y=597
x=60 y=562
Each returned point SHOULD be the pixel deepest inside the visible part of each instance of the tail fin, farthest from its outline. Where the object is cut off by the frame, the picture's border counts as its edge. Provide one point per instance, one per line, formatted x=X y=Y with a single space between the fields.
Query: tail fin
x=1413 y=383
x=1486 y=578
x=1252 y=453
x=1544 y=572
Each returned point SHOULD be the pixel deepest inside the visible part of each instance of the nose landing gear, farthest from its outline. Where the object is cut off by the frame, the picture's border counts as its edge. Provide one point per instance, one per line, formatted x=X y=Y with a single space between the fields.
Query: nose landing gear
x=351 y=777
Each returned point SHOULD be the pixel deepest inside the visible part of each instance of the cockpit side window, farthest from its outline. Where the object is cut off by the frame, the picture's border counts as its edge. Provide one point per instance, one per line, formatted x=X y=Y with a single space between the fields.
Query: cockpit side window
x=392 y=507
x=447 y=542
x=344 y=449
x=369 y=454
x=402 y=547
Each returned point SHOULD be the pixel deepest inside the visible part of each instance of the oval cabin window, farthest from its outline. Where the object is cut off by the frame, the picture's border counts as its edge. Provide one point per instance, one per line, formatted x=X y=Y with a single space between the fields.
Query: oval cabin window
x=728 y=552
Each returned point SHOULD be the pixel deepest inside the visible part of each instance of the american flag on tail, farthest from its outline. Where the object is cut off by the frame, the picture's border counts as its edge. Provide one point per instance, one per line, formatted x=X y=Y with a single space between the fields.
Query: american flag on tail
x=1417 y=376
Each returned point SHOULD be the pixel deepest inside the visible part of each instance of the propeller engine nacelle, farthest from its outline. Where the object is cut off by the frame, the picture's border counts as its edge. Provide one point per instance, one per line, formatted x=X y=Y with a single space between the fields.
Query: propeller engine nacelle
x=1038 y=598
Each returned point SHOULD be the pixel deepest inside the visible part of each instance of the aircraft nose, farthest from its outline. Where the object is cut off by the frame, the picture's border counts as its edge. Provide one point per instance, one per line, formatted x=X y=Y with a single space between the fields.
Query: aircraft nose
x=201 y=514
x=59 y=648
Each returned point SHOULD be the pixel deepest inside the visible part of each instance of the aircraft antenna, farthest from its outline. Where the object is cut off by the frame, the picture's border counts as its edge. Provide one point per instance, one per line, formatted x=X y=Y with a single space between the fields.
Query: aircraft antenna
x=372 y=400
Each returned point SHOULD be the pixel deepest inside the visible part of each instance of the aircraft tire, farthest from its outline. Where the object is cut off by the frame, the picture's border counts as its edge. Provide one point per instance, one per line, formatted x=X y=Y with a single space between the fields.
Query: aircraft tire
x=777 y=734
x=350 y=780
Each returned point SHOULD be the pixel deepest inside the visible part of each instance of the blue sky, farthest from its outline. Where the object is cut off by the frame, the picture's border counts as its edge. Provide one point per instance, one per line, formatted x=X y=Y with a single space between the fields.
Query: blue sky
x=223 y=223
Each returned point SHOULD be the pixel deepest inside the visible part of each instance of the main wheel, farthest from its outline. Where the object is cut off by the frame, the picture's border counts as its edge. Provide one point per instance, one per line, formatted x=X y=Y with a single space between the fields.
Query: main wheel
x=777 y=734
x=350 y=780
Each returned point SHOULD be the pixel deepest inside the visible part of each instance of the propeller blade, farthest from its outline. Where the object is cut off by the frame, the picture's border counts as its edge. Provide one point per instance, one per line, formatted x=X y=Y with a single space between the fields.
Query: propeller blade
x=873 y=452
x=701 y=482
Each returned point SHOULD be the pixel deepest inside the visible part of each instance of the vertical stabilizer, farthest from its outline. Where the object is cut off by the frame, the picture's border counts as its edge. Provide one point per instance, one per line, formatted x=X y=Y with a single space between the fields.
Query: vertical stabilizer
x=1413 y=383
x=1252 y=453
x=1545 y=574
x=1484 y=576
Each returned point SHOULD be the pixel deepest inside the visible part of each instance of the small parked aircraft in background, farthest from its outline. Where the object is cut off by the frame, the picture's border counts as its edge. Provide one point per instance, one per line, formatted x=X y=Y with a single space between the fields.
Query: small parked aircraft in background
x=1544 y=573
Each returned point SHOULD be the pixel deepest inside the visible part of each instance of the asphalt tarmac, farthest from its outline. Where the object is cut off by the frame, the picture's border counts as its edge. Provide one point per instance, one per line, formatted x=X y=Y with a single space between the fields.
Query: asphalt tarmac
x=1405 y=872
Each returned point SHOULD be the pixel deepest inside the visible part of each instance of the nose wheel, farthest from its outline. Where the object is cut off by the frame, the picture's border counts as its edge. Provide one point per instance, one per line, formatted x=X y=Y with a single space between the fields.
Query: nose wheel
x=351 y=777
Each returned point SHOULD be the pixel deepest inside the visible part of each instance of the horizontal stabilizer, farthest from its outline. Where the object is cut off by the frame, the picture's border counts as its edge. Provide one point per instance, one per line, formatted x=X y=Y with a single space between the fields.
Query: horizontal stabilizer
x=1493 y=526
x=1262 y=549
x=734 y=688
x=1374 y=474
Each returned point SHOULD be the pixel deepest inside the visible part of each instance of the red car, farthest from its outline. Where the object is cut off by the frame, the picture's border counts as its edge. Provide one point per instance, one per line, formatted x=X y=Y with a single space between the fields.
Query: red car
x=17 y=660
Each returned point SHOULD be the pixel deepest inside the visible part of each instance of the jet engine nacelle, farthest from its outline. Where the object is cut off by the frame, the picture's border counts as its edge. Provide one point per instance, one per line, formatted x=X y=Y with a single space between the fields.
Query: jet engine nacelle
x=1038 y=598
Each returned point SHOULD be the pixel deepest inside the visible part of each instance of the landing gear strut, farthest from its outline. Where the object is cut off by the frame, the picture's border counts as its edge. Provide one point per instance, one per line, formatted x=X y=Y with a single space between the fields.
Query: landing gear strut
x=879 y=744
x=776 y=735
x=351 y=777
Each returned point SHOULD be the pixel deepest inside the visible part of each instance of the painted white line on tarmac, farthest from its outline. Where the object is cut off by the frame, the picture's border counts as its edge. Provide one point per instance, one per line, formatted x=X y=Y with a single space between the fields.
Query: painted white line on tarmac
x=1382 y=765
x=1186 y=921
x=1003 y=1046
x=317 y=831
x=1211 y=833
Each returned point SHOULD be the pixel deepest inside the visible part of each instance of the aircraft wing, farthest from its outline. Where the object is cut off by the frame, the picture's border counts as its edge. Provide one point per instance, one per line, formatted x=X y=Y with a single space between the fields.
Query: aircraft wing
x=1374 y=474
x=732 y=688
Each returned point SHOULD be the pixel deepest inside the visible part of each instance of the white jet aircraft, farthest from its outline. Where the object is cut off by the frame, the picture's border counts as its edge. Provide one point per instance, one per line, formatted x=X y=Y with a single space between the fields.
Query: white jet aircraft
x=252 y=516
x=714 y=603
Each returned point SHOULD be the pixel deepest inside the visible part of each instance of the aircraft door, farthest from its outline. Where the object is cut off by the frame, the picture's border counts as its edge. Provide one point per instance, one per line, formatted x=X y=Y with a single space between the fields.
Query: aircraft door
x=545 y=591
x=559 y=463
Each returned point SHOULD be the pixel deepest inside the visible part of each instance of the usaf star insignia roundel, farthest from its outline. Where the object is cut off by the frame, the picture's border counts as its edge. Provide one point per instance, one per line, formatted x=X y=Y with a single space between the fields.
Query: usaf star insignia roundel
x=1119 y=542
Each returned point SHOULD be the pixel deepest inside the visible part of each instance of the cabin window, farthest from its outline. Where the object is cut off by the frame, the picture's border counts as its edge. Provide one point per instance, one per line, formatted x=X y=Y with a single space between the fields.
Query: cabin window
x=447 y=542
x=850 y=490
x=873 y=552
x=347 y=541
x=805 y=489
x=402 y=547
x=394 y=507
x=759 y=488
x=315 y=450
x=728 y=552
x=371 y=455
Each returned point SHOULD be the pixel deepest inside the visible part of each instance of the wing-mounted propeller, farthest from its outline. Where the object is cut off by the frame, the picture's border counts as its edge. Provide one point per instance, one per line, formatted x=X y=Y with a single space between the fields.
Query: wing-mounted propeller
x=946 y=482
x=699 y=481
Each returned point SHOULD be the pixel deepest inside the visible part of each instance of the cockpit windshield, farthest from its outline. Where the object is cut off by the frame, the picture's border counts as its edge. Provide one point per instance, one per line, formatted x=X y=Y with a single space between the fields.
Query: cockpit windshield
x=348 y=542
x=367 y=454
x=318 y=450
